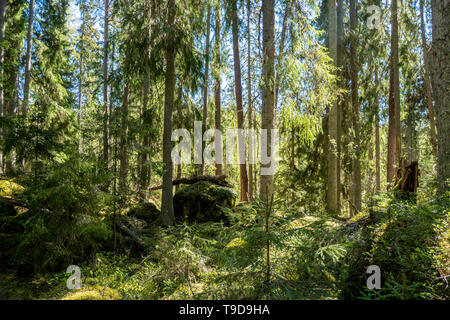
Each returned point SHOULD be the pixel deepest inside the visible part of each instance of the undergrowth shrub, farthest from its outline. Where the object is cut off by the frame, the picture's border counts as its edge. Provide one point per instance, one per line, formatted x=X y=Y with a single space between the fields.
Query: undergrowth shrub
x=411 y=246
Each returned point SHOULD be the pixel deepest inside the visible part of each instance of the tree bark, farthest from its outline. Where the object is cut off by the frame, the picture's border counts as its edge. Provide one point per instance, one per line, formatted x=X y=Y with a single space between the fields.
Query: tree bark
x=239 y=108
x=217 y=86
x=377 y=134
x=146 y=117
x=268 y=91
x=2 y=52
x=249 y=92
x=394 y=97
x=332 y=191
x=396 y=79
x=2 y=65
x=340 y=104
x=440 y=56
x=105 y=87
x=355 y=105
x=219 y=180
x=287 y=13
x=123 y=170
x=167 y=213
x=426 y=77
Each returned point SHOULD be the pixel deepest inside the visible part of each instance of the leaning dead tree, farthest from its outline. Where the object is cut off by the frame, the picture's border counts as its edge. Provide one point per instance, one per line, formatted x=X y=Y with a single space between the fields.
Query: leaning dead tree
x=218 y=180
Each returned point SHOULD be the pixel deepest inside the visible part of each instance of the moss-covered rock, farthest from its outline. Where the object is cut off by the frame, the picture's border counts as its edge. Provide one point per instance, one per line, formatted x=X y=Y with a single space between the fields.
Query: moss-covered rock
x=202 y=202
x=9 y=189
x=147 y=211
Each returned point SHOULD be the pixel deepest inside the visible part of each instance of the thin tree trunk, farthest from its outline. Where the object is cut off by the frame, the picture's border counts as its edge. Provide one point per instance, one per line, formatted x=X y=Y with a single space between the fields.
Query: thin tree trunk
x=167 y=214
x=239 y=108
x=441 y=87
x=427 y=81
x=287 y=14
x=339 y=59
x=26 y=88
x=377 y=134
x=393 y=101
x=293 y=156
x=217 y=116
x=332 y=202
x=249 y=92
x=105 y=86
x=2 y=65
x=146 y=118
x=123 y=170
x=268 y=95
x=398 y=131
x=411 y=132
x=205 y=95
x=80 y=84
x=355 y=105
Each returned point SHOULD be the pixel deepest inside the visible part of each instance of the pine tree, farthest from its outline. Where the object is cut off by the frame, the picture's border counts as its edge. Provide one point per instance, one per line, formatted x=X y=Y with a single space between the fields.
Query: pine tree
x=239 y=107
x=167 y=214
x=332 y=191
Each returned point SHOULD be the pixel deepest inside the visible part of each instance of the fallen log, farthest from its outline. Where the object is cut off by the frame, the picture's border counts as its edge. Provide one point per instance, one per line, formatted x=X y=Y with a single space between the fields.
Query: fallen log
x=219 y=180
x=14 y=202
x=130 y=233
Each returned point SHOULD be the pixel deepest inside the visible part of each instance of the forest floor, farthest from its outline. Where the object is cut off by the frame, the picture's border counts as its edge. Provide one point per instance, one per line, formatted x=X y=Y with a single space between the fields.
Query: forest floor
x=311 y=257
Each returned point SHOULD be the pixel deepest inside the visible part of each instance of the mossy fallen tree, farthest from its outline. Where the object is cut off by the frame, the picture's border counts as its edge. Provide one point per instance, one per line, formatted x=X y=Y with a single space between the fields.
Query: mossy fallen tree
x=218 y=180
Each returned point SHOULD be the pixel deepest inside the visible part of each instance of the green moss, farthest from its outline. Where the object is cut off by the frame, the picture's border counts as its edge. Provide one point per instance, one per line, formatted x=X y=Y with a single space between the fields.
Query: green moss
x=9 y=188
x=203 y=201
x=236 y=243
x=93 y=293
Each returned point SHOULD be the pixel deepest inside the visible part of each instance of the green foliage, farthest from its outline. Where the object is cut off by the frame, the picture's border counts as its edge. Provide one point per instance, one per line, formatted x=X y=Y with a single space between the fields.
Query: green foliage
x=411 y=246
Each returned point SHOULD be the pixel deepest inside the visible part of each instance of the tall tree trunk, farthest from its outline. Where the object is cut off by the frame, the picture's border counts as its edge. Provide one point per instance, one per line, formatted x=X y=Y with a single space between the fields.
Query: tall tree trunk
x=2 y=65
x=340 y=104
x=26 y=88
x=268 y=91
x=377 y=134
x=105 y=86
x=167 y=214
x=146 y=117
x=426 y=77
x=411 y=132
x=287 y=14
x=398 y=131
x=332 y=191
x=440 y=56
x=80 y=83
x=123 y=170
x=80 y=105
x=394 y=97
x=239 y=108
x=217 y=116
x=249 y=92
x=205 y=94
x=355 y=105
